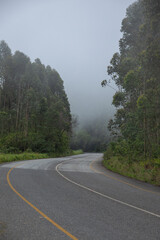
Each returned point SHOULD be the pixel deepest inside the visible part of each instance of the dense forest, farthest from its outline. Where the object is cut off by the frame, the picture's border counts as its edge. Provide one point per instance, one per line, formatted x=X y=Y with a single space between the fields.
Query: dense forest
x=136 y=72
x=34 y=109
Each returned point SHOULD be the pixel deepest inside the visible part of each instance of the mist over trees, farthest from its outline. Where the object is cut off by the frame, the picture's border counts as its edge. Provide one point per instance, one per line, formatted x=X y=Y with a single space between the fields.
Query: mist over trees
x=34 y=109
x=91 y=136
x=136 y=72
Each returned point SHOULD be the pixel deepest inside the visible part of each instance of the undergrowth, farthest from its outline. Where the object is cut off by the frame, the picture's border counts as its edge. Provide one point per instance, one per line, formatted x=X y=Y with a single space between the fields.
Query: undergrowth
x=11 y=157
x=21 y=156
x=144 y=170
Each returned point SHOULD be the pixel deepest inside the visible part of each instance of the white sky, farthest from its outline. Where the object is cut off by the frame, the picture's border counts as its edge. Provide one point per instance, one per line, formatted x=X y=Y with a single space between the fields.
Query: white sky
x=76 y=37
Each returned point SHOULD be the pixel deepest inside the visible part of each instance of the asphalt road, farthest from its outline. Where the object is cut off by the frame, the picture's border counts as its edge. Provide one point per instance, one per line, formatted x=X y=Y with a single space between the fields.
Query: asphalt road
x=75 y=198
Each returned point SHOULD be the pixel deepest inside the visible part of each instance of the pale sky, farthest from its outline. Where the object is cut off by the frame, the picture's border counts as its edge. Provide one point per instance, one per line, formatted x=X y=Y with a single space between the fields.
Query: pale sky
x=75 y=37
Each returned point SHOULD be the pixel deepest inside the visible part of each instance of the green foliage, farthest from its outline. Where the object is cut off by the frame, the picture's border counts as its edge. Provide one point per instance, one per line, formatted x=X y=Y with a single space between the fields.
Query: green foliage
x=147 y=171
x=22 y=156
x=142 y=102
x=136 y=72
x=118 y=99
x=77 y=152
x=130 y=81
x=29 y=155
x=36 y=115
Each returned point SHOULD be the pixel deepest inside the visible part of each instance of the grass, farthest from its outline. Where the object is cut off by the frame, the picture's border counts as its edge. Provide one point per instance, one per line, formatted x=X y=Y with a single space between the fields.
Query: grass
x=76 y=152
x=22 y=156
x=28 y=156
x=68 y=153
x=147 y=171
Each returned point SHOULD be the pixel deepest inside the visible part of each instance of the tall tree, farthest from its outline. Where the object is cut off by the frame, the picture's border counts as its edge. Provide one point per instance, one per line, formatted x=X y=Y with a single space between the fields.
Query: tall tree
x=34 y=108
x=136 y=72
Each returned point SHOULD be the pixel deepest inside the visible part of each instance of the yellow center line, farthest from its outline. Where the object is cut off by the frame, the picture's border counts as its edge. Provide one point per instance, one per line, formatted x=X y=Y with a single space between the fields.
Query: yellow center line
x=36 y=209
x=114 y=178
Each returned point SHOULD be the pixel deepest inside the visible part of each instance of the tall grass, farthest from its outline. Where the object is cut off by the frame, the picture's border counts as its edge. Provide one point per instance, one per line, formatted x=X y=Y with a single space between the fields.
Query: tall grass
x=11 y=157
x=22 y=156
x=147 y=171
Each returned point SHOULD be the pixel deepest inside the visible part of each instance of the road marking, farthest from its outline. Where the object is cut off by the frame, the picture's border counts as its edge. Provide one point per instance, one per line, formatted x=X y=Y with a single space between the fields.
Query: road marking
x=103 y=195
x=36 y=209
x=114 y=178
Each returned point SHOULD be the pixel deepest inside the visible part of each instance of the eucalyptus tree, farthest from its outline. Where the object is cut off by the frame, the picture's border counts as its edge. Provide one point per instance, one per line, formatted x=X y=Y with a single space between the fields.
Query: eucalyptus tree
x=135 y=70
x=34 y=108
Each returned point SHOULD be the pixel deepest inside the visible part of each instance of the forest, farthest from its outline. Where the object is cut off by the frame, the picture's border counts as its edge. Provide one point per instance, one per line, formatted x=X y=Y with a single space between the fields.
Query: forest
x=135 y=70
x=35 y=112
x=34 y=109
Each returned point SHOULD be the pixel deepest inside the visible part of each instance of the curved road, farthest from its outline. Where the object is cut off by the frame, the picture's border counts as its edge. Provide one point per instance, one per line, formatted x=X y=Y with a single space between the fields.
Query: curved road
x=75 y=198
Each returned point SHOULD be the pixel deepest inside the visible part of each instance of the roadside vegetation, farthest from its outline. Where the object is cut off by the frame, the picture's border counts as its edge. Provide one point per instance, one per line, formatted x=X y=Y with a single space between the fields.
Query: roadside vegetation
x=34 y=109
x=76 y=152
x=22 y=156
x=11 y=157
x=144 y=170
x=136 y=72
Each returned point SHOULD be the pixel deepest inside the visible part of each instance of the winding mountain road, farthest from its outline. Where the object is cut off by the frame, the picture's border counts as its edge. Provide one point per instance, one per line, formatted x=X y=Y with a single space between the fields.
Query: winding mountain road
x=75 y=198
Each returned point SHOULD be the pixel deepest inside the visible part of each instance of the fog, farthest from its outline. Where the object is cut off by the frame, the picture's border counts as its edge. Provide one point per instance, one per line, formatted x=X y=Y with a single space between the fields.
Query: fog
x=76 y=37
